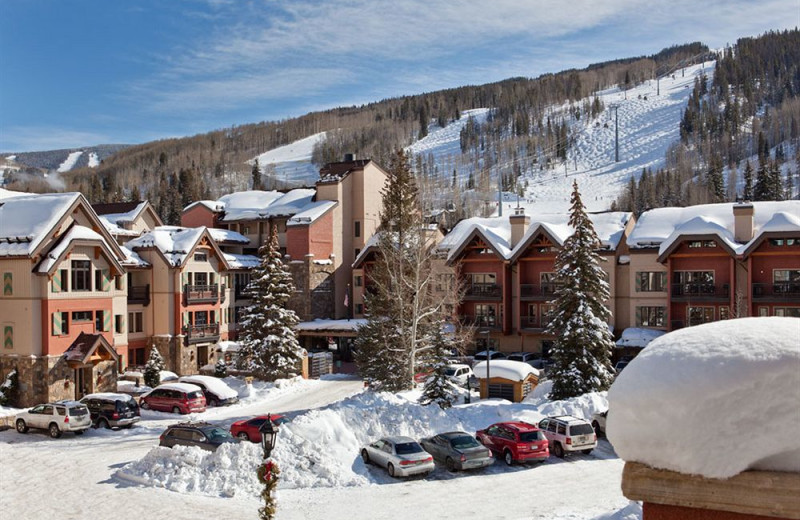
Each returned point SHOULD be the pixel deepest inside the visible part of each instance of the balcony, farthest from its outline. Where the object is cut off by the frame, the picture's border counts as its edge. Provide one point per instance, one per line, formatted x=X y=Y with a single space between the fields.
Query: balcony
x=544 y=291
x=200 y=293
x=139 y=295
x=240 y=292
x=538 y=323
x=700 y=291
x=480 y=321
x=484 y=291
x=223 y=293
x=201 y=333
x=780 y=291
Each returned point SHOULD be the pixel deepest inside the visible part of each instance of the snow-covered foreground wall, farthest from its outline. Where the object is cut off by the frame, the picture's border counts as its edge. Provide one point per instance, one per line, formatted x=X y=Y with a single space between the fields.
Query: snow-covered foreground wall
x=714 y=400
x=321 y=447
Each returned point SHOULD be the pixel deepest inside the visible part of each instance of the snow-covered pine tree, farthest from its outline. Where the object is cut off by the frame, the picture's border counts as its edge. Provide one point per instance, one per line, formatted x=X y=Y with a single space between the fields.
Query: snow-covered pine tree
x=269 y=346
x=220 y=368
x=582 y=348
x=438 y=387
x=152 y=370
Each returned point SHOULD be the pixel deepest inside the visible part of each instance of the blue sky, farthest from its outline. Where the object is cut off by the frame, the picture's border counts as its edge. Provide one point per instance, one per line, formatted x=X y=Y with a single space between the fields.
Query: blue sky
x=83 y=72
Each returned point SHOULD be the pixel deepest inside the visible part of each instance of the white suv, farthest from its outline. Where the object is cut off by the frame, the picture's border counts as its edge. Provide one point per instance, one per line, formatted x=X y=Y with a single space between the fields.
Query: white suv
x=568 y=434
x=56 y=418
x=458 y=373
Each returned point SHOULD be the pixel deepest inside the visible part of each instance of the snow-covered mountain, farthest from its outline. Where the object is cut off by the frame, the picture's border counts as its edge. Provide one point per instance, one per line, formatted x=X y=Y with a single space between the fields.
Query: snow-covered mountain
x=62 y=160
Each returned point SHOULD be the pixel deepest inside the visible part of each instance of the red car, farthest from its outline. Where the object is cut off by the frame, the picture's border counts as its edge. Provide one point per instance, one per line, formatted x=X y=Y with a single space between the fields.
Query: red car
x=247 y=429
x=175 y=398
x=515 y=442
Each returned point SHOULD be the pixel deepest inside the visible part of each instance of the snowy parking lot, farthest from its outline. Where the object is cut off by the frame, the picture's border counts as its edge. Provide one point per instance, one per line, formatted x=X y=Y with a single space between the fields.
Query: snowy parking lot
x=322 y=475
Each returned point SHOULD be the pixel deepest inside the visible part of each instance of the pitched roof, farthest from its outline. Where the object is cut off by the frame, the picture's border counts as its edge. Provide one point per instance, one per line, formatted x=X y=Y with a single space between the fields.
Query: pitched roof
x=115 y=207
x=26 y=220
x=63 y=245
x=85 y=345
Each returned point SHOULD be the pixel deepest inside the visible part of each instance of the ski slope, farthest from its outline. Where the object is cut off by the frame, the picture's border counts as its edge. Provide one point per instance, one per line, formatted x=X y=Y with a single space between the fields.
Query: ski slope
x=291 y=163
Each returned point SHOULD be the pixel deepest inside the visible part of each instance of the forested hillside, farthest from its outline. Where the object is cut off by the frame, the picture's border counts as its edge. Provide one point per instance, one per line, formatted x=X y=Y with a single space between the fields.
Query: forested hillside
x=739 y=134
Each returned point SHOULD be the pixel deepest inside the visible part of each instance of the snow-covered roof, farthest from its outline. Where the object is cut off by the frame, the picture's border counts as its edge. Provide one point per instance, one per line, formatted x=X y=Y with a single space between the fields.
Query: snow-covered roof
x=114 y=222
x=241 y=261
x=228 y=236
x=181 y=387
x=109 y=395
x=311 y=212
x=662 y=226
x=331 y=325
x=228 y=346
x=368 y=247
x=25 y=220
x=254 y=205
x=5 y=194
x=506 y=369
x=496 y=231
x=174 y=242
x=132 y=258
x=689 y=400
x=213 y=205
x=74 y=233
x=214 y=384
x=636 y=337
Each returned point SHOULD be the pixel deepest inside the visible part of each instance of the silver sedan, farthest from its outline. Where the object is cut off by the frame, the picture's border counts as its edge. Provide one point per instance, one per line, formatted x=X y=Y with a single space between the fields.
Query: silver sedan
x=401 y=456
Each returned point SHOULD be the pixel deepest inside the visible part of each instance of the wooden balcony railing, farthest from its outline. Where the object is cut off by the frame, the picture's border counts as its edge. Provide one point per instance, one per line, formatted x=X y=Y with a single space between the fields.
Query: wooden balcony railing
x=139 y=294
x=480 y=321
x=201 y=333
x=700 y=291
x=543 y=291
x=200 y=293
x=534 y=322
x=483 y=291
x=780 y=291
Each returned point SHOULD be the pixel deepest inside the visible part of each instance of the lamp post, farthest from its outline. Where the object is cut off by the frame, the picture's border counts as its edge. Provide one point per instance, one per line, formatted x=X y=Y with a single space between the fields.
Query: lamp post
x=488 y=357
x=268 y=472
x=269 y=435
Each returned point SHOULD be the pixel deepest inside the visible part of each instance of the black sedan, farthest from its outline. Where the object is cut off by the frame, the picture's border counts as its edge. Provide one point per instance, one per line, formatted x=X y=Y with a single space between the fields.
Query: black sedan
x=458 y=451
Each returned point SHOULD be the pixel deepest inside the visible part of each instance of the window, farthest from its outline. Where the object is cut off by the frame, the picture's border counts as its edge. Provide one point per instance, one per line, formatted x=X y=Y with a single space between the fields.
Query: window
x=201 y=318
x=98 y=321
x=81 y=275
x=60 y=323
x=245 y=230
x=485 y=315
x=548 y=281
x=200 y=257
x=792 y=312
x=763 y=311
x=781 y=242
x=357 y=228
x=82 y=315
x=357 y=252
x=135 y=322
x=698 y=315
x=725 y=313
x=119 y=283
x=359 y=281
x=359 y=308
x=200 y=279
x=651 y=316
x=137 y=357
x=119 y=323
x=647 y=281
x=786 y=275
x=444 y=281
x=98 y=280
x=701 y=243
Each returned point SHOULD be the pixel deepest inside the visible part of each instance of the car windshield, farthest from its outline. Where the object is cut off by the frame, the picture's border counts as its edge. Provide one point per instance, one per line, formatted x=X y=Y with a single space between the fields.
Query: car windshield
x=463 y=443
x=217 y=434
x=195 y=395
x=531 y=436
x=78 y=411
x=450 y=371
x=515 y=357
x=406 y=448
x=126 y=405
x=580 y=429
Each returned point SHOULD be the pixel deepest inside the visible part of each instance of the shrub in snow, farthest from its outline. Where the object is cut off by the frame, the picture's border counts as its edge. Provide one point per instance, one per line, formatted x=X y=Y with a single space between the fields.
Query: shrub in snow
x=152 y=370
x=269 y=346
x=220 y=369
x=582 y=348
x=9 y=388
x=714 y=399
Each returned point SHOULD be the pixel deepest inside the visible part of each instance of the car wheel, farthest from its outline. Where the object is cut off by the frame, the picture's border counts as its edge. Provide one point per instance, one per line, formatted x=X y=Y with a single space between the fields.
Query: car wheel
x=54 y=431
x=391 y=469
x=450 y=464
x=144 y=405
x=508 y=457
x=243 y=436
x=596 y=427
x=102 y=423
x=21 y=426
x=79 y=432
x=175 y=409
x=365 y=457
x=558 y=450
x=586 y=452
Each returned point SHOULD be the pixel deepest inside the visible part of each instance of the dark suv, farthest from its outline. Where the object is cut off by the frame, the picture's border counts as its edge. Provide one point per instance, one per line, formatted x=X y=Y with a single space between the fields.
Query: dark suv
x=201 y=434
x=110 y=410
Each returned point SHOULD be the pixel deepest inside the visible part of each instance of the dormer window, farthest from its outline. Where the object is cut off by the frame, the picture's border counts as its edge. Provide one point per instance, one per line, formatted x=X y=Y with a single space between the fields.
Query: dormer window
x=201 y=257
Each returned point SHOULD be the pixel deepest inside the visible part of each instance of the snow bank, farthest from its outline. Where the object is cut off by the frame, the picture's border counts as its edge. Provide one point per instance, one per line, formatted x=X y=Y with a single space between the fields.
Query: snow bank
x=506 y=369
x=321 y=447
x=690 y=401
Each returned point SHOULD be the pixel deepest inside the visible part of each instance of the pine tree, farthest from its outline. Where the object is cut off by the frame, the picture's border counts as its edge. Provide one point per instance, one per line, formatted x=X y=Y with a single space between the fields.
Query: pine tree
x=269 y=346
x=748 y=181
x=256 y=174
x=220 y=368
x=762 y=190
x=439 y=389
x=583 y=344
x=152 y=370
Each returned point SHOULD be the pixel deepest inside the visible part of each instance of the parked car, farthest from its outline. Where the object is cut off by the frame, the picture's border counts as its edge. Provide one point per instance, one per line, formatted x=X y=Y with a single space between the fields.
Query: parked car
x=599 y=423
x=175 y=398
x=515 y=442
x=525 y=357
x=459 y=373
x=458 y=451
x=568 y=434
x=109 y=410
x=481 y=356
x=56 y=418
x=247 y=429
x=401 y=456
x=621 y=364
x=201 y=434
x=216 y=392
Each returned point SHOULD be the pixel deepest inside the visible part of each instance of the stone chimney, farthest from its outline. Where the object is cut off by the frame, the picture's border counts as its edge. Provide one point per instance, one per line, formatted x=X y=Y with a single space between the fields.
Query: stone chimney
x=519 y=225
x=743 y=221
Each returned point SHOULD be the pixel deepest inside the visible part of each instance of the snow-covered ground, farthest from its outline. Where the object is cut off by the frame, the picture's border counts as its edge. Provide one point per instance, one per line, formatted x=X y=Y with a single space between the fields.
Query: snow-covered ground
x=70 y=161
x=292 y=162
x=322 y=475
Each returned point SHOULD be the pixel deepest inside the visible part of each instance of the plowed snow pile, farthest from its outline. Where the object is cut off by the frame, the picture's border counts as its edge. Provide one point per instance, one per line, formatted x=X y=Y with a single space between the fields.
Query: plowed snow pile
x=321 y=447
